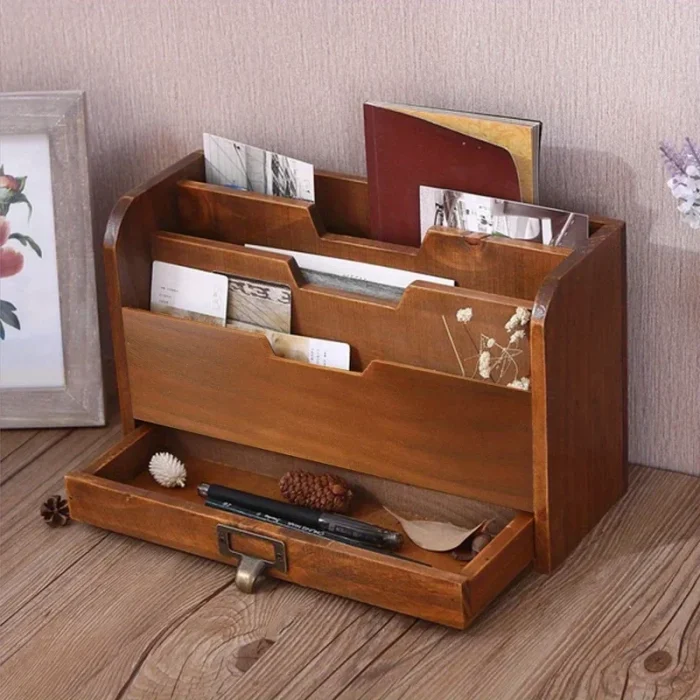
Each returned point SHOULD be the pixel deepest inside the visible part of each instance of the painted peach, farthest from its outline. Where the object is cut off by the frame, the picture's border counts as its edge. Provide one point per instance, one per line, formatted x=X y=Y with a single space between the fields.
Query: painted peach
x=4 y=230
x=11 y=262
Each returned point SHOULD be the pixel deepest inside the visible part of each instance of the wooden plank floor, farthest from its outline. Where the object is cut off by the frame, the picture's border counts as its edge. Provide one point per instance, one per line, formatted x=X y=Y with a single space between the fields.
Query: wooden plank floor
x=92 y=615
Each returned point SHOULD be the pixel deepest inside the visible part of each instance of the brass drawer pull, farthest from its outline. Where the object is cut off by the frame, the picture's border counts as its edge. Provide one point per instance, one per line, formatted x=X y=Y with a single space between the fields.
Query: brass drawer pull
x=250 y=568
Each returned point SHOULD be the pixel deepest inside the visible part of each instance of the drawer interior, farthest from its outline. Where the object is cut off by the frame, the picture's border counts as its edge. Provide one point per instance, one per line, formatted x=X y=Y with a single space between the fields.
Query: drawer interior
x=118 y=493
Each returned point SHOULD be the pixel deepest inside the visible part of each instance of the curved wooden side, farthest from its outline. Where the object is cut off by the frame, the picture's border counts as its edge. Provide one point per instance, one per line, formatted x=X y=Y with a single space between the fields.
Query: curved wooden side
x=578 y=345
x=127 y=255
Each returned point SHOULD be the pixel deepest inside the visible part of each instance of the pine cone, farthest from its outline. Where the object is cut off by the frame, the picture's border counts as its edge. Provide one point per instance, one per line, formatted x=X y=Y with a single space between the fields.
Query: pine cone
x=55 y=511
x=320 y=491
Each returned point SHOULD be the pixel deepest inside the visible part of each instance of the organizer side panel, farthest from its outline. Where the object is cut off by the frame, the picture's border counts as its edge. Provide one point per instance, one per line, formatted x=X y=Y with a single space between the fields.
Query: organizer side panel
x=127 y=255
x=410 y=425
x=578 y=357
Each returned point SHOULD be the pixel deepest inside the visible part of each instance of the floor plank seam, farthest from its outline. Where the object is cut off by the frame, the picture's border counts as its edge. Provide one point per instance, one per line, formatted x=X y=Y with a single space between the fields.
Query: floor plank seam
x=376 y=658
x=331 y=671
x=35 y=457
x=428 y=651
x=328 y=643
x=670 y=620
x=155 y=642
x=16 y=447
x=638 y=584
x=48 y=584
x=354 y=653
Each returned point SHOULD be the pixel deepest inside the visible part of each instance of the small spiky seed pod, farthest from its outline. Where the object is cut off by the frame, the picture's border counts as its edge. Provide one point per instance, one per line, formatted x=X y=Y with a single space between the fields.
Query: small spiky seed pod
x=55 y=511
x=167 y=470
x=320 y=491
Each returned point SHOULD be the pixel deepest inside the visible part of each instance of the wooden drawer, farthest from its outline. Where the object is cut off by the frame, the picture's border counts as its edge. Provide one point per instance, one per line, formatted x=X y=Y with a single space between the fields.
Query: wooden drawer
x=118 y=493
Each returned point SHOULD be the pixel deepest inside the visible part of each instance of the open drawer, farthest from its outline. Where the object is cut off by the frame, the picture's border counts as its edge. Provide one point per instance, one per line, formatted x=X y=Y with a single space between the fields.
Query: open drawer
x=117 y=493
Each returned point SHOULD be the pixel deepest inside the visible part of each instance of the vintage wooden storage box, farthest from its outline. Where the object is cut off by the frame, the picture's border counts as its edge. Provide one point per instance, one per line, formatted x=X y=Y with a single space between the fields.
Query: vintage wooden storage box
x=410 y=426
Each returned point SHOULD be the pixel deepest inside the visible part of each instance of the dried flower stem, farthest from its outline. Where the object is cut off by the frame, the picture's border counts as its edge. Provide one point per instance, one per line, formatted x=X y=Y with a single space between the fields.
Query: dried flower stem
x=454 y=347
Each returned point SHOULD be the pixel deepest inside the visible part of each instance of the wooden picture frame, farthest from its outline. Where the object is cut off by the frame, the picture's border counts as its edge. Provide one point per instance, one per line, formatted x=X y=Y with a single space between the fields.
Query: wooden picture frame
x=80 y=400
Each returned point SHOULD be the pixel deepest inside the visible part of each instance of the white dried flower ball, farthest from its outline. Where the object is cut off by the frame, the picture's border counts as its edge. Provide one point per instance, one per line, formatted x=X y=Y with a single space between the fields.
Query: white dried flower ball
x=490 y=342
x=167 y=470
x=464 y=315
x=522 y=384
x=512 y=323
x=517 y=336
x=485 y=364
x=521 y=317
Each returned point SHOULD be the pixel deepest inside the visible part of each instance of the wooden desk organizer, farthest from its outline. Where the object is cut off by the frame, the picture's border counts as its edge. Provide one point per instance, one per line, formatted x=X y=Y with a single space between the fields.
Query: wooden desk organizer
x=404 y=427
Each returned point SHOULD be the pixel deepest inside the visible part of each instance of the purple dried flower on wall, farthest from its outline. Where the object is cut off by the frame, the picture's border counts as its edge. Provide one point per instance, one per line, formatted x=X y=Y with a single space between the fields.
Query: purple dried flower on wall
x=683 y=166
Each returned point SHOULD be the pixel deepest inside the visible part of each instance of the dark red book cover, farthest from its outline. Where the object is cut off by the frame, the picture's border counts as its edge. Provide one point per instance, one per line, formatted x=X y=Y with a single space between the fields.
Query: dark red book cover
x=406 y=151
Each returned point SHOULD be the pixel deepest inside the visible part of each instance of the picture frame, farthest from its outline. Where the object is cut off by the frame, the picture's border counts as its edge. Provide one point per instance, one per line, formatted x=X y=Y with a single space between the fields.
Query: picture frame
x=50 y=359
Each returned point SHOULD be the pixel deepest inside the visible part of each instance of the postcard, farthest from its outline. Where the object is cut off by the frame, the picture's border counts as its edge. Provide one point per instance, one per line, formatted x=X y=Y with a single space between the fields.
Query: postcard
x=189 y=293
x=233 y=164
x=500 y=217
x=366 y=272
x=260 y=303
x=314 y=351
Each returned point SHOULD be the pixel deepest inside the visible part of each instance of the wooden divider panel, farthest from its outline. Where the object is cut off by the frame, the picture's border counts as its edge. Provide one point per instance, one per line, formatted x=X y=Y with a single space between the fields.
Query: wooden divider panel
x=411 y=425
x=494 y=265
x=421 y=330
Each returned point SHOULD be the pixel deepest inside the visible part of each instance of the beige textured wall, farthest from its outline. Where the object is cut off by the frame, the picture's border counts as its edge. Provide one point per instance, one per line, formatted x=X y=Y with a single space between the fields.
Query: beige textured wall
x=609 y=78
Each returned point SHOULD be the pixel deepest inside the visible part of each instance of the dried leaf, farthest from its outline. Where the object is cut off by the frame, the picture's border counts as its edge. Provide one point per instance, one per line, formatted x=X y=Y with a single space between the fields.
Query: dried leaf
x=433 y=535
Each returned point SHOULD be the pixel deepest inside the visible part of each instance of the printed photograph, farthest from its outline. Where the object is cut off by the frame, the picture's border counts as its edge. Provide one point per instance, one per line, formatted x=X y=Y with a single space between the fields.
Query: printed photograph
x=500 y=217
x=31 y=347
x=237 y=165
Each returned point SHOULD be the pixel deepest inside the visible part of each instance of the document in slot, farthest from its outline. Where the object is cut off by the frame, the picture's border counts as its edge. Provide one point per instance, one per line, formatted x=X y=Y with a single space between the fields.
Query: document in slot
x=352 y=269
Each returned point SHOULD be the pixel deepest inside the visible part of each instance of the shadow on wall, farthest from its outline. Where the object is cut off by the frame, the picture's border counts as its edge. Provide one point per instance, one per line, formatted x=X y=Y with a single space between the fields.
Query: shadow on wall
x=595 y=182
x=663 y=274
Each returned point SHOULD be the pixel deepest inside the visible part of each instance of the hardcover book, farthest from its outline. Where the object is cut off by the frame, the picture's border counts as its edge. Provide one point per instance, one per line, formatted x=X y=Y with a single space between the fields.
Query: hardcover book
x=412 y=146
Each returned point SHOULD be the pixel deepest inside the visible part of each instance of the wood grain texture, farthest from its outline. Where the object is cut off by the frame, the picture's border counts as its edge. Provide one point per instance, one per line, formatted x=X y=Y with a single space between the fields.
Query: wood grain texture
x=579 y=349
x=389 y=417
x=163 y=624
x=10 y=440
x=22 y=527
x=402 y=498
x=420 y=330
x=343 y=209
x=31 y=445
x=338 y=54
x=578 y=409
x=492 y=265
x=392 y=420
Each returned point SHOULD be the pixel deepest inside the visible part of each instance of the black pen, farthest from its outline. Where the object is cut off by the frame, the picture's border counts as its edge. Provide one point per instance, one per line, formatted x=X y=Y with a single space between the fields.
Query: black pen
x=264 y=518
x=331 y=523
